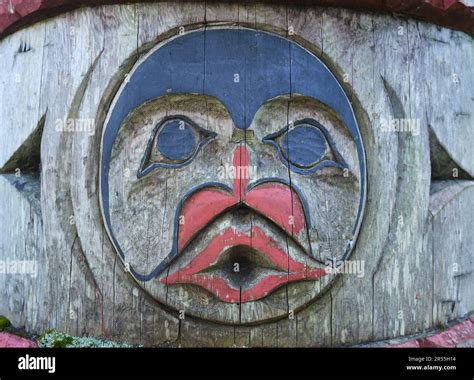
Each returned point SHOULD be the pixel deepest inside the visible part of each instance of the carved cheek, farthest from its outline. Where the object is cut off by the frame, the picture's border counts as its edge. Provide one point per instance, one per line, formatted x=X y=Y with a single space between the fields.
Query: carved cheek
x=139 y=220
x=331 y=192
x=145 y=208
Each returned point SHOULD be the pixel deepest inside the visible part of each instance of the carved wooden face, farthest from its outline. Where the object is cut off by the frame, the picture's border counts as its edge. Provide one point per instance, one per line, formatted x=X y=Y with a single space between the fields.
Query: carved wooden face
x=230 y=175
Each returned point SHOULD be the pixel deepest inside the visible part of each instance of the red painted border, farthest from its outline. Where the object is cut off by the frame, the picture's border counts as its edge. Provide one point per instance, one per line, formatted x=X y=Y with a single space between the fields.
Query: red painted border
x=451 y=337
x=290 y=269
x=274 y=200
x=454 y=14
x=8 y=340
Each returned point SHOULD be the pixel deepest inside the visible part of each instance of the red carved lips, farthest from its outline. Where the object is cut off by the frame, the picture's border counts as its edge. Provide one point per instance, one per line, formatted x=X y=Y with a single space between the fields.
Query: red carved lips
x=265 y=265
x=283 y=269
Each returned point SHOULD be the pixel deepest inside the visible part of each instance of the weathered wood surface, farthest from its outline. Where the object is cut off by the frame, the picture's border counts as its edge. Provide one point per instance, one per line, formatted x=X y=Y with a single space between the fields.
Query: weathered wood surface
x=410 y=237
x=454 y=14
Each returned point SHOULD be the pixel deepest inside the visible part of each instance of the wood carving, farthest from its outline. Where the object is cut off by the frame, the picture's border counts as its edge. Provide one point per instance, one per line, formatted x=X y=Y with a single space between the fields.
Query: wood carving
x=235 y=174
x=238 y=98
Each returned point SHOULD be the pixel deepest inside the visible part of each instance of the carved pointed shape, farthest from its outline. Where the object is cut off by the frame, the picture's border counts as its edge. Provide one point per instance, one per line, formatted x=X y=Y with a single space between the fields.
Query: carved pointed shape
x=23 y=168
x=443 y=166
x=27 y=156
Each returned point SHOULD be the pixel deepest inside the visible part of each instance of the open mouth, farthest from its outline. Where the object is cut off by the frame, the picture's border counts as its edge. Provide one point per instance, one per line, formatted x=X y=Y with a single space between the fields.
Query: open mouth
x=243 y=266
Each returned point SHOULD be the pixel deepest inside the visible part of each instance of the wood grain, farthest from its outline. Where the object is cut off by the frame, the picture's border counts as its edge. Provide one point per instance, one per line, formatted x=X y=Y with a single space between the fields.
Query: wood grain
x=414 y=232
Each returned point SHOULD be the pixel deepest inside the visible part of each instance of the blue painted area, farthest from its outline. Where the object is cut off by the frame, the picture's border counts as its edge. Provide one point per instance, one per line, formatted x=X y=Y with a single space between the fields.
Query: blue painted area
x=262 y=63
x=185 y=149
x=304 y=145
x=176 y=140
x=243 y=68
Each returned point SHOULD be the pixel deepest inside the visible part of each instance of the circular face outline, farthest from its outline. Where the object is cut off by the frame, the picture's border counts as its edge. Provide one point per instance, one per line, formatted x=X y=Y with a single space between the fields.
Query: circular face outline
x=343 y=108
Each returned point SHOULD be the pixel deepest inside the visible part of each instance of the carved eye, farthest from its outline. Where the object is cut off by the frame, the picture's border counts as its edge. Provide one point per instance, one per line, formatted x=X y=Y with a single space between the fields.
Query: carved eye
x=305 y=146
x=175 y=142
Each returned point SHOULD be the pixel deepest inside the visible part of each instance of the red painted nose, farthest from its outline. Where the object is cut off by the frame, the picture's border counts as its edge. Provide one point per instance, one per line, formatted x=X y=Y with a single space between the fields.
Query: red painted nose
x=274 y=200
x=240 y=162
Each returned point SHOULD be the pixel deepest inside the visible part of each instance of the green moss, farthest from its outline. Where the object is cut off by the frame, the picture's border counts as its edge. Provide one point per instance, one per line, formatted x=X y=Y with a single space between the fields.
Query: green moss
x=55 y=339
x=4 y=323
x=58 y=339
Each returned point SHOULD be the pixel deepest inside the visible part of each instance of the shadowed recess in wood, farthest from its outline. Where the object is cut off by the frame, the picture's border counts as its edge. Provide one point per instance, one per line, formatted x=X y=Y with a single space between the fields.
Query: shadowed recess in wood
x=23 y=169
x=443 y=167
